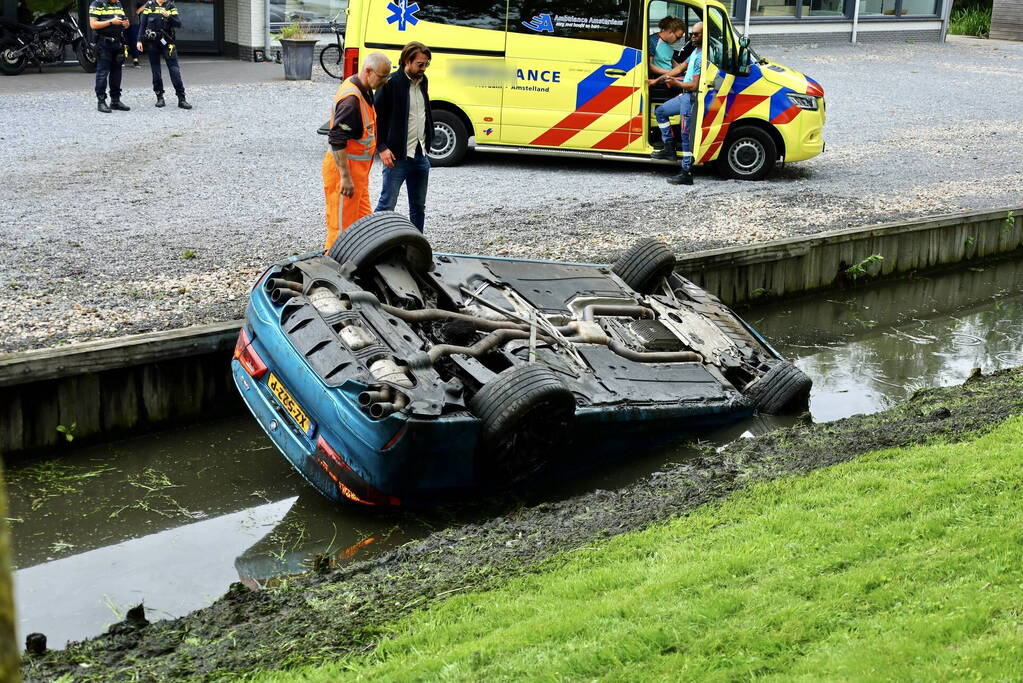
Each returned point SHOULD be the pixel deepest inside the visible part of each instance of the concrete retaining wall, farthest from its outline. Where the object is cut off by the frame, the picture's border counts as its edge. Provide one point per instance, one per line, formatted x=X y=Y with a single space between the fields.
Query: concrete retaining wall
x=797 y=265
x=115 y=387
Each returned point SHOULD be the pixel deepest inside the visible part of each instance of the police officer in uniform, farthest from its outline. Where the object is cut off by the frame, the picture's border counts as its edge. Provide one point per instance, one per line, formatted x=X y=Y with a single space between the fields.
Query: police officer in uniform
x=107 y=20
x=156 y=33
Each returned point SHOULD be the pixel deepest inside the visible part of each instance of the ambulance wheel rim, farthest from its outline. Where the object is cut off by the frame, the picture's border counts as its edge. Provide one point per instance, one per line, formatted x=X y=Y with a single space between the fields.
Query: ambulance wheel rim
x=747 y=156
x=443 y=140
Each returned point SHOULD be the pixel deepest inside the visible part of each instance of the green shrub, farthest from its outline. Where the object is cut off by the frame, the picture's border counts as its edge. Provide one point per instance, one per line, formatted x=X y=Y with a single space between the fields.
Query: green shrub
x=971 y=21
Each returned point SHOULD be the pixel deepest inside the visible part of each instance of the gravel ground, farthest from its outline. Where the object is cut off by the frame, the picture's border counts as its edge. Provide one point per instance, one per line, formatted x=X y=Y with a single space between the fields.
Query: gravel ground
x=155 y=219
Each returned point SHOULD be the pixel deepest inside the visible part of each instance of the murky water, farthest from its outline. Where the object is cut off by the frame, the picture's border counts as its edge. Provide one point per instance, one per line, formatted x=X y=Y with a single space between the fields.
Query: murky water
x=172 y=519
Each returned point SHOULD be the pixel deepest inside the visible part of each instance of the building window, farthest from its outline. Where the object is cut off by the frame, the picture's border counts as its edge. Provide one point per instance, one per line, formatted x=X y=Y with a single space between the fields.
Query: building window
x=773 y=8
x=603 y=20
x=312 y=14
x=898 y=8
x=470 y=13
x=823 y=8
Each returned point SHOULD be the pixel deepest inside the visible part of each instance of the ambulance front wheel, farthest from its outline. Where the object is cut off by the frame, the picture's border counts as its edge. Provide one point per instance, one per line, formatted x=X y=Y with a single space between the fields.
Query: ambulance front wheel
x=749 y=154
x=450 y=139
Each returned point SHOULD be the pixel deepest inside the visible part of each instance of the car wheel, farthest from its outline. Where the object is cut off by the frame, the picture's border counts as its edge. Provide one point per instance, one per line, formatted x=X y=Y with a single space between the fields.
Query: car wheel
x=86 y=53
x=330 y=60
x=644 y=264
x=450 y=139
x=369 y=239
x=749 y=154
x=526 y=413
x=11 y=63
x=784 y=388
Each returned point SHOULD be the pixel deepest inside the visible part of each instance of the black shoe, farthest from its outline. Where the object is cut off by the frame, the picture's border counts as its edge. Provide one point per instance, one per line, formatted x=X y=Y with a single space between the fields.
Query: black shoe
x=667 y=153
x=135 y=64
x=657 y=144
x=683 y=178
x=119 y=105
x=160 y=102
x=183 y=103
x=103 y=107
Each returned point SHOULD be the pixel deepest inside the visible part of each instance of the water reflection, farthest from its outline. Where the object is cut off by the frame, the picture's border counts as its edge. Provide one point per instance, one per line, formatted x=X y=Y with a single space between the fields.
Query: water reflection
x=874 y=347
x=175 y=517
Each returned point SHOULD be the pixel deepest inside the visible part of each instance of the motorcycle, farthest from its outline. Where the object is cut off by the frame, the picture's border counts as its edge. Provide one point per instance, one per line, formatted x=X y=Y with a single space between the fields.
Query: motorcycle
x=43 y=42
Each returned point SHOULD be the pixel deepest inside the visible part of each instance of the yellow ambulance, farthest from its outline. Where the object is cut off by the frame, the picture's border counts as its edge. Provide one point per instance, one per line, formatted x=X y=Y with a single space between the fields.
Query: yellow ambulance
x=569 y=78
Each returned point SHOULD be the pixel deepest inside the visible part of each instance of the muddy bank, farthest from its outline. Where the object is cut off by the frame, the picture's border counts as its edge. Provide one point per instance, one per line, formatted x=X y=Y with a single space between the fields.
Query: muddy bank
x=324 y=616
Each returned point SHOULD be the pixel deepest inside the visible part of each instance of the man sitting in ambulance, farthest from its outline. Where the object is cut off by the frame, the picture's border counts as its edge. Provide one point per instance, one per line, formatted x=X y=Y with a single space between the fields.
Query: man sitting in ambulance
x=663 y=62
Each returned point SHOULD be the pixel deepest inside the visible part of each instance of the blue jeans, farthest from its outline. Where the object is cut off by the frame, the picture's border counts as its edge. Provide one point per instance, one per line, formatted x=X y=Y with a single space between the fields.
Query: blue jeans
x=109 y=58
x=678 y=106
x=414 y=173
x=155 y=51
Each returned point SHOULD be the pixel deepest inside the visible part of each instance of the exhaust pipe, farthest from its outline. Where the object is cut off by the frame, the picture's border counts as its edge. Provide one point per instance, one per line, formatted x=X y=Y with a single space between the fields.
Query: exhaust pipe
x=368 y=398
x=279 y=296
x=379 y=410
x=280 y=283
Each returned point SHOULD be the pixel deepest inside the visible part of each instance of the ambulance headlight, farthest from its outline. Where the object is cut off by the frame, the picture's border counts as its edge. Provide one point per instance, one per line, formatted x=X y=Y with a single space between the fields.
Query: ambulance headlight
x=803 y=101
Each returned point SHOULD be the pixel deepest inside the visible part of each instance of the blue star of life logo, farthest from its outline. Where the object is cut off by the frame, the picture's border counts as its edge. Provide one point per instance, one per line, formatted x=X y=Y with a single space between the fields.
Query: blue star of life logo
x=403 y=12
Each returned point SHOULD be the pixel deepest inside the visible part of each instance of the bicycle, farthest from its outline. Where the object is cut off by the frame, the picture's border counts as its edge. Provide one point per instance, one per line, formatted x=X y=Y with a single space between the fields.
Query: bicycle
x=332 y=56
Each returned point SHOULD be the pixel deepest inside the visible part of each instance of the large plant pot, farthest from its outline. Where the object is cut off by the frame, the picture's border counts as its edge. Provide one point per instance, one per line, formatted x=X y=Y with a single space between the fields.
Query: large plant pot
x=297 y=56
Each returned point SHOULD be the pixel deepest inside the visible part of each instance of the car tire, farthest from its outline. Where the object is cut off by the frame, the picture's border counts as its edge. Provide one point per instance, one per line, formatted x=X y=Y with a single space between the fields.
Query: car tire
x=9 y=64
x=330 y=60
x=369 y=239
x=526 y=414
x=749 y=154
x=450 y=139
x=86 y=53
x=644 y=264
x=784 y=388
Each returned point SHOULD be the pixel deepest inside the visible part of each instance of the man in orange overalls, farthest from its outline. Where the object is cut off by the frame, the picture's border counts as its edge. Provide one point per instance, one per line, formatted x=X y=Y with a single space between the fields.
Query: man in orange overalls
x=352 y=138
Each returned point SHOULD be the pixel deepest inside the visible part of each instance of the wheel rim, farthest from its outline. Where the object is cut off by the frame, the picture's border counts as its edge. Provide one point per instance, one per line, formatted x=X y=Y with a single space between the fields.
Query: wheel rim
x=443 y=140
x=9 y=57
x=747 y=156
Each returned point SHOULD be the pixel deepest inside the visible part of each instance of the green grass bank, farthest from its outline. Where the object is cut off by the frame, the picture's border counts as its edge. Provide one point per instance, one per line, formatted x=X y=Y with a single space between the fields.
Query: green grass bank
x=902 y=564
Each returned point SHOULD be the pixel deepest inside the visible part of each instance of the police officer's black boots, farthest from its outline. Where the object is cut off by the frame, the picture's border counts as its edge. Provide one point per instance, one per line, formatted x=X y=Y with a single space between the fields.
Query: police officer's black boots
x=183 y=103
x=159 y=100
x=667 y=153
x=103 y=106
x=119 y=105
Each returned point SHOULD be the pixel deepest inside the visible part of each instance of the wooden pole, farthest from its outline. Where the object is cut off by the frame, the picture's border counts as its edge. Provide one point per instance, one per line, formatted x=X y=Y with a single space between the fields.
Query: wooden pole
x=10 y=655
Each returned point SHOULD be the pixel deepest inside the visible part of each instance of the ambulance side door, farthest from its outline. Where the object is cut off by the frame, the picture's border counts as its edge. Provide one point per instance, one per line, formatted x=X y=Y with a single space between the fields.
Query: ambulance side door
x=467 y=39
x=574 y=78
x=720 y=53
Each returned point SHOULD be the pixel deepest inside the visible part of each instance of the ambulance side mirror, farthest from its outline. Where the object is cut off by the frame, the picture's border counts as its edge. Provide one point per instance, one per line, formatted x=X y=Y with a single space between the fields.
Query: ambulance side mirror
x=743 y=65
x=743 y=57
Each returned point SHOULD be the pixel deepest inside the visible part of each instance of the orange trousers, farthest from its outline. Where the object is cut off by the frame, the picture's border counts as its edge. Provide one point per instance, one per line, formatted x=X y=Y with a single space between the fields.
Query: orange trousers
x=347 y=209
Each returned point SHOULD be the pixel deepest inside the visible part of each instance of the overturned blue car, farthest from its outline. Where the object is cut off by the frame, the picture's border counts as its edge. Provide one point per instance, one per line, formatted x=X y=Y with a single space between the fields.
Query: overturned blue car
x=390 y=375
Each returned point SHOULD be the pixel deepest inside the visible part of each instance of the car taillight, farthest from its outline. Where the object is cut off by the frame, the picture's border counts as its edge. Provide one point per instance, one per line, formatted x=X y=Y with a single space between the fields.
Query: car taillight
x=348 y=482
x=351 y=61
x=247 y=356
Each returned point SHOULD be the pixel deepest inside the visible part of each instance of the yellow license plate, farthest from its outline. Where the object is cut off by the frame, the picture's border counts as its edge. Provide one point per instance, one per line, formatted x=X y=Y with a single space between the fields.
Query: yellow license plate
x=289 y=404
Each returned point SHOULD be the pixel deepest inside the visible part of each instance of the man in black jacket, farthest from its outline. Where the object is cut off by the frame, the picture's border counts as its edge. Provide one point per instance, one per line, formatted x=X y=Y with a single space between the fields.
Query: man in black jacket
x=404 y=132
x=157 y=33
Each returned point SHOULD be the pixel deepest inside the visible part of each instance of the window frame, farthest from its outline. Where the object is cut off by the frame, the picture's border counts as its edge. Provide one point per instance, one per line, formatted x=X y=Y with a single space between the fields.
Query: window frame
x=848 y=8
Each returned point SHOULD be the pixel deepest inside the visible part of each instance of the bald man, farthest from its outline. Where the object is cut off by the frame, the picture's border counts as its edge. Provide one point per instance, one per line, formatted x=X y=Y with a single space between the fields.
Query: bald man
x=352 y=137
